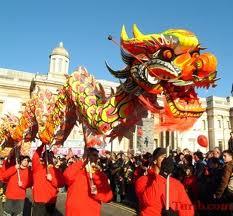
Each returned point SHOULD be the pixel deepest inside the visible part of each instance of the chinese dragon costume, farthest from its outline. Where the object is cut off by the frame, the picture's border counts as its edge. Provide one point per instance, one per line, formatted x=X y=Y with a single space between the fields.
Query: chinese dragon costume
x=169 y=64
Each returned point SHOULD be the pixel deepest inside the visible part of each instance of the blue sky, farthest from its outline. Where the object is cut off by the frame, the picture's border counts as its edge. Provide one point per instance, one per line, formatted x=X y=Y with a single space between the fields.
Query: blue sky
x=31 y=29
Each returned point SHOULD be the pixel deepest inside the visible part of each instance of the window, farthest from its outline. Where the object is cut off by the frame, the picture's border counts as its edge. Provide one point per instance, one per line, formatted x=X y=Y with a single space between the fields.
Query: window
x=167 y=137
x=155 y=143
x=59 y=64
x=219 y=124
x=53 y=64
x=220 y=144
x=162 y=119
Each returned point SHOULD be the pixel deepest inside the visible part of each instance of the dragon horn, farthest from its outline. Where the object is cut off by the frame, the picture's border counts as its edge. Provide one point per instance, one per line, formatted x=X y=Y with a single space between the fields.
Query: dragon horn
x=118 y=74
x=136 y=31
x=112 y=91
x=101 y=88
x=124 y=36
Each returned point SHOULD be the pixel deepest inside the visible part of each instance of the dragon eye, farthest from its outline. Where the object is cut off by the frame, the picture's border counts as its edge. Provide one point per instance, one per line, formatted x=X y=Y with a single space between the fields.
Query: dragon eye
x=167 y=55
x=199 y=64
x=195 y=54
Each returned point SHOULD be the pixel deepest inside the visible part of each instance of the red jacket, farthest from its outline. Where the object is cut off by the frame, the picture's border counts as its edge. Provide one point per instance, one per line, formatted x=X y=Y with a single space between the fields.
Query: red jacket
x=79 y=201
x=151 y=189
x=2 y=169
x=7 y=163
x=13 y=191
x=45 y=191
x=138 y=172
x=140 y=186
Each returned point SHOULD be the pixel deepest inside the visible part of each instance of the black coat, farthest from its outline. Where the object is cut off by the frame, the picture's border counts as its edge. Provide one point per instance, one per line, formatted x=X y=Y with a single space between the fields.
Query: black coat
x=230 y=144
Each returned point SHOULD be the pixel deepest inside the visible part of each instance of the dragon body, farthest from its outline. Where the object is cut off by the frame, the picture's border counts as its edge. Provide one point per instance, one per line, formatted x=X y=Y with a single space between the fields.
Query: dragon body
x=170 y=63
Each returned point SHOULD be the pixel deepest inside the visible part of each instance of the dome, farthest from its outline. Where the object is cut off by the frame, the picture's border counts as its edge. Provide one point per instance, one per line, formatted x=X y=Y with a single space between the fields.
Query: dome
x=60 y=51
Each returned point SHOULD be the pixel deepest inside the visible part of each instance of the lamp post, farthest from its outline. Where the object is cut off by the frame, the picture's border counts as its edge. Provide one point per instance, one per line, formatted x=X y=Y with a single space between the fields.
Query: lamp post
x=146 y=141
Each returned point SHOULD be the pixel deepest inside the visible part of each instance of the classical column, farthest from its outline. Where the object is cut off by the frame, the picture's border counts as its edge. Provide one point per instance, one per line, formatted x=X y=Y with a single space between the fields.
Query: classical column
x=164 y=139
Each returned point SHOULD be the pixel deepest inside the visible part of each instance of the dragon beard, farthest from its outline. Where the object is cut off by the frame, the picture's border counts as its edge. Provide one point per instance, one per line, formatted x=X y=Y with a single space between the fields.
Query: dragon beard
x=167 y=119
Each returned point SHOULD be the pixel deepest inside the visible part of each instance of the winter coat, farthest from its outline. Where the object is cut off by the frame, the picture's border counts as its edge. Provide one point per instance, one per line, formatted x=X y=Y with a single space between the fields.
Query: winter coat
x=151 y=192
x=13 y=190
x=79 y=201
x=227 y=172
x=45 y=191
x=230 y=144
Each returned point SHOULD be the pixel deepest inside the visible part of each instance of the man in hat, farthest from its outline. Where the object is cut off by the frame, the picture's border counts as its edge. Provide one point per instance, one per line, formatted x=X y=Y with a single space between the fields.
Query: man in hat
x=46 y=181
x=18 y=179
x=151 y=189
x=87 y=186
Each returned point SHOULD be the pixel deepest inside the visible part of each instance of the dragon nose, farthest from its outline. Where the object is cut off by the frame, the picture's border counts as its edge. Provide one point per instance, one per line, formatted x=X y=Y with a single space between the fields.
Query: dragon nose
x=202 y=66
x=206 y=63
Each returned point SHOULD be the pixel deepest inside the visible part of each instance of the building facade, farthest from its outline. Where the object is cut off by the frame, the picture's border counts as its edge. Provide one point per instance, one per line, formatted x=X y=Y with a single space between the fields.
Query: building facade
x=216 y=123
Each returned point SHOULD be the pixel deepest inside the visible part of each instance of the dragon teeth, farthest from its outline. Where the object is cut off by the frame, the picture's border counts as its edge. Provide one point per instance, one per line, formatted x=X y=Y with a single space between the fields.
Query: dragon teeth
x=151 y=80
x=173 y=70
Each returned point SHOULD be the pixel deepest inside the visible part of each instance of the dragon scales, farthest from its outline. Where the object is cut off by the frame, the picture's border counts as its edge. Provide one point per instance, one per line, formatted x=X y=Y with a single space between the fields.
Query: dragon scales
x=170 y=63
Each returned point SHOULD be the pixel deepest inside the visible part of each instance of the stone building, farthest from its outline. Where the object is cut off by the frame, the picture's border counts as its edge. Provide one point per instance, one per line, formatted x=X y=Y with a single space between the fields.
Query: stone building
x=216 y=124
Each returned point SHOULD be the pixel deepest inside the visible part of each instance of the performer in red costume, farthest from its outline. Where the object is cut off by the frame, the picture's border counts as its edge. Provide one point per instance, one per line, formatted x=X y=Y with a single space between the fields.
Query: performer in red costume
x=18 y=179
x=46 y=181
x=151 y=190
x=87 y=185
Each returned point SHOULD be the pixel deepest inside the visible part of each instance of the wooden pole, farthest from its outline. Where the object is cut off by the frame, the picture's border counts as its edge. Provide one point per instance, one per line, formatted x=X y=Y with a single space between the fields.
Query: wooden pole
x=92 y=185
x=17 y=163
x=135 y=139
x=46 y=153
x=46 y=159
x=85 y=141
x=167 y=181
x=2 y=145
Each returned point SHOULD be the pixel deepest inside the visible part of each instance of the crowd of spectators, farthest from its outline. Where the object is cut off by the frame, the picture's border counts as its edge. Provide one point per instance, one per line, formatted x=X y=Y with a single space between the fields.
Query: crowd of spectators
x=207 y=177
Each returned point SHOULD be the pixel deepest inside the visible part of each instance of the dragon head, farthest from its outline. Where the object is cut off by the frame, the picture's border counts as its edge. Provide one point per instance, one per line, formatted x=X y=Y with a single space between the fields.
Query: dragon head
x=168 y=63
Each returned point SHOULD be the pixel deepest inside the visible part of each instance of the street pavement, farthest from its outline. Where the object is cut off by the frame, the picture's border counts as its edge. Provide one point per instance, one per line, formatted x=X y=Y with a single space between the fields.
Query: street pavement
x=109 y=209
